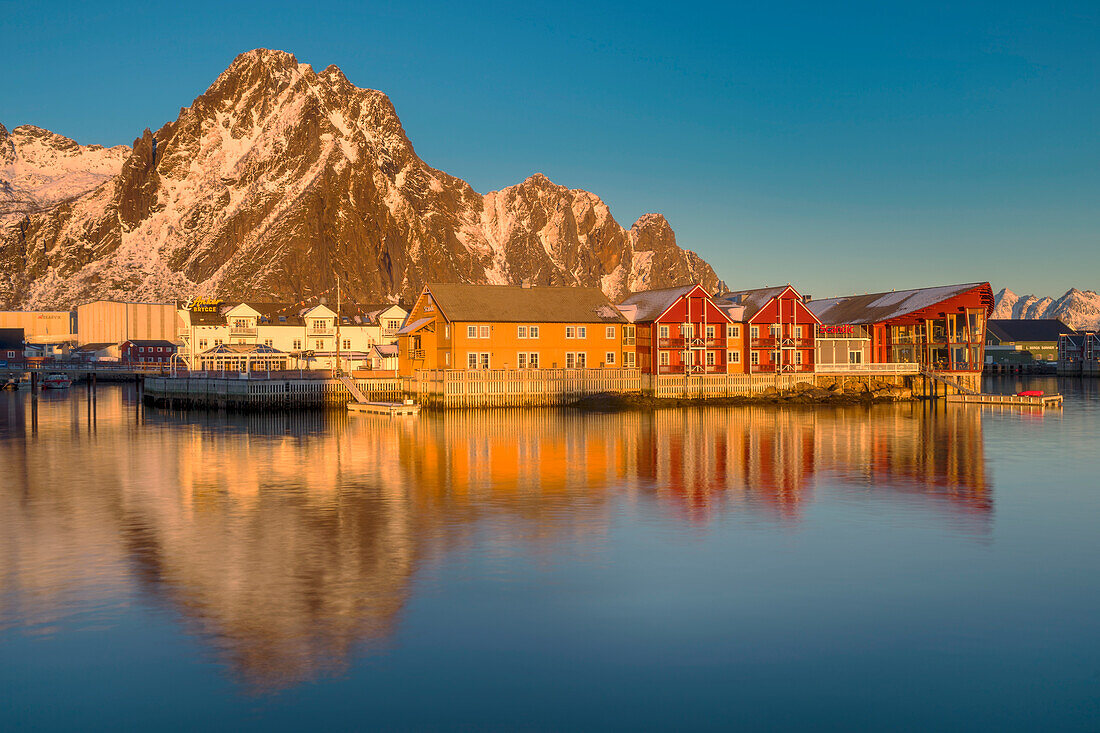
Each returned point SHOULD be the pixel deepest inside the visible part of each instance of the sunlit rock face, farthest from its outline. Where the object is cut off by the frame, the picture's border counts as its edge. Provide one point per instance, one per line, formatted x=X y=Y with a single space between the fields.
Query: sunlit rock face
x=1076 y=308
x=278 y=175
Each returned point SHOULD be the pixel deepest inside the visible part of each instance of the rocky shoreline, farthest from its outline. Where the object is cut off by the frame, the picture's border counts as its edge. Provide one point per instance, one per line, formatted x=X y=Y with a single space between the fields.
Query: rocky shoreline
x=850 y=392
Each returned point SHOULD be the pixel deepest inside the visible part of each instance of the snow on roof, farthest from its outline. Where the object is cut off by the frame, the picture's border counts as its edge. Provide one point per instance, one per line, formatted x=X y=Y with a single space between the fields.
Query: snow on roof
x=650 y=304
x=751 y=300
x=414 y=326
x=877 y=307
x=385 y=349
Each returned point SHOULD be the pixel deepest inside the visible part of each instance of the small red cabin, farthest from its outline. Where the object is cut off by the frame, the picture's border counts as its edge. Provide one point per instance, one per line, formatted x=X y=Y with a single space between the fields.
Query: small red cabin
x=147 y=352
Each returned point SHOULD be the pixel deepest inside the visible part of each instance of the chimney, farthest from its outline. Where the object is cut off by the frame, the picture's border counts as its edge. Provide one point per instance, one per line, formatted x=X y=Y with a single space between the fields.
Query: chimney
x=807 y=298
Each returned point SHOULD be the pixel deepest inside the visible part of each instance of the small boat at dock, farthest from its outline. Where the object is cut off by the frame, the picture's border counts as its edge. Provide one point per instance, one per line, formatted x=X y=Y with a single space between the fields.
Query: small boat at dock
x=11 y=385
x=56 y=381
x=408 y=407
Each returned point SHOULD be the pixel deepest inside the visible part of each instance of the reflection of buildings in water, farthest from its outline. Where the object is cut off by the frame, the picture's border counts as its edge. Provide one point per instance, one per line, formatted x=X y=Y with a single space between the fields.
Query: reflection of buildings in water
x=288 y=540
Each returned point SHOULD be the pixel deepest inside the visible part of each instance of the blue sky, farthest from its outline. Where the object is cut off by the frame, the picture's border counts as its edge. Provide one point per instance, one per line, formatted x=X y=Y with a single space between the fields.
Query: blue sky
x=843 y=148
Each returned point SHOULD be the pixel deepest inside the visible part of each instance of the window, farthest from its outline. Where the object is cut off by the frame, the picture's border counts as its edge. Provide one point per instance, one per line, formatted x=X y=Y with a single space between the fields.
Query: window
x=446 y=330
x=710 y=358
x=318 y=344
x=446 y=358
x=521 y=333
x=521 y=360
x=710 y=332
x=663 y=332
x=483 y=332
x=754 y=357
x=267 y=342
x=471 y=332
x=628 y=359
x=609 y=358
x=754 y=332
x=570 y=360
x=581 y=361
x=687 y=330
x=733 y=357
x=609 y=332
x=582 y=332
x=534 y=332
x=798 y=332
x=202 y=343
x=776 y=357
x=347 y=344
x=393 y=325
x=733 y=331
x=141 y=349
x=571 y=332
x=471 y=359
x=533 y=360
x=798 y=358
x=664 y=358
x=297 y=344
x=775 y=330
x=484 y=361
x=855 y=357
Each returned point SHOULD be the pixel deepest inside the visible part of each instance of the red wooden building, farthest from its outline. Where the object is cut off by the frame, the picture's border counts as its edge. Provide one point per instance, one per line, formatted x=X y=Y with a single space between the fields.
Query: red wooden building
x=781 y=329
x=940 y=328
x=11 y=348
x=681 y=330
x=147 y=352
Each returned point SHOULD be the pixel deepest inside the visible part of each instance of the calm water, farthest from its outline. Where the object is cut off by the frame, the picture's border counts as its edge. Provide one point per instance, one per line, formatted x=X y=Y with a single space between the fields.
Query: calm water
x=914 y=567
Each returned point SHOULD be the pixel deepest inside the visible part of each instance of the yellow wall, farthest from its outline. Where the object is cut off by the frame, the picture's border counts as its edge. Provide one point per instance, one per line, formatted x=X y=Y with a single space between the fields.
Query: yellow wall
x=104 y=322
x=40 y=326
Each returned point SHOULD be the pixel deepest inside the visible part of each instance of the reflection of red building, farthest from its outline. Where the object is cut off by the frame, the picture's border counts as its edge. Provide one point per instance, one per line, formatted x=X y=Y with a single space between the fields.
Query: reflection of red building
x=941 y=328
x=781 y=329
x=681 y=330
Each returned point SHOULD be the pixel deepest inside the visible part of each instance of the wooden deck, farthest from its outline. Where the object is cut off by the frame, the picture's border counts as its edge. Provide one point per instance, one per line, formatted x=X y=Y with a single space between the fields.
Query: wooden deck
x=1050 y=400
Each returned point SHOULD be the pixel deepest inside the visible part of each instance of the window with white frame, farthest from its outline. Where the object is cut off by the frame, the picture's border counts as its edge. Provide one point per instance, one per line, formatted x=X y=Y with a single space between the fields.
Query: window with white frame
x=297 y=343
x=202 y=343
x=471 y=360
x=710 y=358
x=582 y=332
x=471 y=332
x=533 y=332
x=484 y=360
x=754 y=358
x=710 y=332
x=754 y=332
x=663 y=331
x=347 y=344
x=571 y=332
x=521 y=360
x=663 y=358
x=687 y=330
x=733 y=357
x=628 y=359
x=609 y=358
x=533 y=360
x=318 y=344
x=483 y=332
x=798 y=358
x=609 y=332
x=775 y=330
x=855 y=357
x=798 y=332
x=446 y=358
x=268 y=342
x=141 y=349
x=575 y=360
x=218 y=342
x=521 y=333
x=733 y=331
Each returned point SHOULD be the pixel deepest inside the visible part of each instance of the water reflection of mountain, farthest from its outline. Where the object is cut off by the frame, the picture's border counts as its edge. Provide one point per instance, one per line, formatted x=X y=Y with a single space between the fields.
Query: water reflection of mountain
x=289 y=541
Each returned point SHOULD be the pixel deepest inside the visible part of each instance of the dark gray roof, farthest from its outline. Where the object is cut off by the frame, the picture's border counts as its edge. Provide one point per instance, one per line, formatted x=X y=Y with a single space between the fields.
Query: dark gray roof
x=139 y=342
x=11 y=338
x=517 y=304
x=1037 y=329
x=753 y=300
x=878 y=307
x=652 y=303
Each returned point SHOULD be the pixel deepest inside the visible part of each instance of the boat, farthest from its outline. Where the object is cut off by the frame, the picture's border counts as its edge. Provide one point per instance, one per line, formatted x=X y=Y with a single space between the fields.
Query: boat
x=56 y=381
x=11 y=385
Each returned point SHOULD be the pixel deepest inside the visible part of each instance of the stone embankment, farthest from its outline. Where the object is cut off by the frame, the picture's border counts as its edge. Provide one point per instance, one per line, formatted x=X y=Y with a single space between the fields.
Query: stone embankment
x=829 y=392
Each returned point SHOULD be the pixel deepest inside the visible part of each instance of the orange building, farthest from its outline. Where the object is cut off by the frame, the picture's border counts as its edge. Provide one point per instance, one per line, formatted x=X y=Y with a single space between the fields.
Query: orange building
x=454 y=326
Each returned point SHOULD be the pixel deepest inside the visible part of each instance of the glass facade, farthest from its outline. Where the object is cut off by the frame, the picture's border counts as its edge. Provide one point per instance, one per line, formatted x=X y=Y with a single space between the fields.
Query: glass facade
x=948 y=342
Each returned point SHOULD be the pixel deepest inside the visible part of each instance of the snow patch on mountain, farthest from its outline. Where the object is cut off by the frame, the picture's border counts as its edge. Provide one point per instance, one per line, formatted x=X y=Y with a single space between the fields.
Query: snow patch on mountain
x=1076 y=308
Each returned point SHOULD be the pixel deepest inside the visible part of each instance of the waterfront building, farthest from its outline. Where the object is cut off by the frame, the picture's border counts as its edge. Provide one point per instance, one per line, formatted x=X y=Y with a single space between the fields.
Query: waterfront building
x=307 y=335
x=145 y=352
x=112 y=322
x=453 y=326
x=940 y=328
x=11 y=347
x=1079 y=353
x=97 y=352
x=781 y=329
x=42 y=328
x=1019 y=341
x=681 y=330
x=384 y=357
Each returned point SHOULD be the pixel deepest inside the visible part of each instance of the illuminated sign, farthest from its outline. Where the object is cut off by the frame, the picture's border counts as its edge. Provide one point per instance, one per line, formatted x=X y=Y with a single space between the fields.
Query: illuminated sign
x=203 y=305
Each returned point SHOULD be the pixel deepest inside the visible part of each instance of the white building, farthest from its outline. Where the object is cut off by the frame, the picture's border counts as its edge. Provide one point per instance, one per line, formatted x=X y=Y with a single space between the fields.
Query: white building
x=305 y=334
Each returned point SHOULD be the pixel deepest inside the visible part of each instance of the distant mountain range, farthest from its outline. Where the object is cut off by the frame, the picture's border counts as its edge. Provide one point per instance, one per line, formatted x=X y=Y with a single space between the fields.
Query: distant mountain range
x=276 y=177
x=1076 y=308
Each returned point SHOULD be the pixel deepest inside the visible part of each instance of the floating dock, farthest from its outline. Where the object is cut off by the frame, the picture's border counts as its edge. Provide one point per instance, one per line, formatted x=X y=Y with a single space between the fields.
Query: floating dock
x=1050 y=400
x=385 y=408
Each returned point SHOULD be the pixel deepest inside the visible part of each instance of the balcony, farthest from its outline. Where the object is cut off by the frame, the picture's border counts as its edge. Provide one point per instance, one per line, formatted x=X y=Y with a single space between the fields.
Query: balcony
x=628 y=341
x=670 y=369
x=243 y=332
x=417 y=354
x=670 y=343
x=320 y=331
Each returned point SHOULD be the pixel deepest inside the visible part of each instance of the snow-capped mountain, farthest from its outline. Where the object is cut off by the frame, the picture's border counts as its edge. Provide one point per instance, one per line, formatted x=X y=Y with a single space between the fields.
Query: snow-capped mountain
x=39 y=168
x=1076 y=308
x=277 y=175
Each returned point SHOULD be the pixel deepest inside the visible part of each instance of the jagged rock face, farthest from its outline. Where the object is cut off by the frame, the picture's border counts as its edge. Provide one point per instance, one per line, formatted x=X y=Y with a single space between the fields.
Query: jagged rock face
x=39 y=169
x=1076 y=308
x=278 y=176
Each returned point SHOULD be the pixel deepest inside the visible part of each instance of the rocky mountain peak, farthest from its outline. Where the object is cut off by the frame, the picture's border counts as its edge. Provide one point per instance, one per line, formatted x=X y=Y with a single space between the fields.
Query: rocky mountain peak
x=1076 y=308
x=276 y=178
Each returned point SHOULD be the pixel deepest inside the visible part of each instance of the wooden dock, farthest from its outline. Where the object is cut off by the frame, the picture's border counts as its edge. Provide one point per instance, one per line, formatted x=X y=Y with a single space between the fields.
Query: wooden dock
x=385 y=408
x=1041 y=401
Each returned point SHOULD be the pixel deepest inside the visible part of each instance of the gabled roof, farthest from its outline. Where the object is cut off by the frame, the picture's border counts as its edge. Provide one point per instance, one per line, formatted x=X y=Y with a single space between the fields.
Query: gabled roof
x=651 y=304
x=385 y=350
x=415 y=326
x=1037 y=329
x=291 y=314
x=154 y=342
x=517 y=304
x=96 y=347
x=878 y=307
x=753 y=300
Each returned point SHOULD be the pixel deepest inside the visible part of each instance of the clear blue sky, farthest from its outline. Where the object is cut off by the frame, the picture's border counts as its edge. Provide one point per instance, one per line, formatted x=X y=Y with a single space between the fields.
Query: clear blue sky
x=843 y=148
